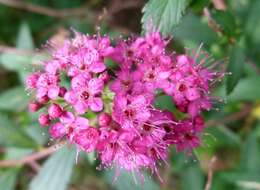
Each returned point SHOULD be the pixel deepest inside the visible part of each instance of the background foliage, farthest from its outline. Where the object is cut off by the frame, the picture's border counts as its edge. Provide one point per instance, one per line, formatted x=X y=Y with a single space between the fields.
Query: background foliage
x=229 y=30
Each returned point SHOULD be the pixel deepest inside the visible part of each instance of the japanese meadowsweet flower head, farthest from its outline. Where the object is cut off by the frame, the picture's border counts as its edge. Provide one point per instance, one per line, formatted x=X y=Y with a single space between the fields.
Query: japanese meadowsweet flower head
x=128 y=131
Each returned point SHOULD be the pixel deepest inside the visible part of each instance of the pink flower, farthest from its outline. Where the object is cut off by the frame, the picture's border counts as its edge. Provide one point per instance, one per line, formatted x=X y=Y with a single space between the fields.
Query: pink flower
x=54 y=111
x=130 y=133
x=44 y=120
x=87 y=139
x=85 y=94
x=69 y=126
x=131 y=111
x=104 y=119
x=31 y=80
x=47 y=85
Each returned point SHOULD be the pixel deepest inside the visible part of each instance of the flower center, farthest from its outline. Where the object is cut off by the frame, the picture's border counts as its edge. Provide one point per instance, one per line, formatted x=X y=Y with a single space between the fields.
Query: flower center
x=129 y=113
x=182 y=87
x=84 y=95
x=146 y=127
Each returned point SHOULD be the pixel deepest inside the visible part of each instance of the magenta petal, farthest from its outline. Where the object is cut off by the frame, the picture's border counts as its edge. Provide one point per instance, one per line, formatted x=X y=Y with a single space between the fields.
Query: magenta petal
x=80 y=107
x=192 y=94
x=139 y=101
x=53 y=92
x=97 y=67
x=193 y=109
x=67 y=117
x=96 y=104
x=95 y=85
x=70 y=97
x=57 y=130
x=41 y=92
x=81 y=123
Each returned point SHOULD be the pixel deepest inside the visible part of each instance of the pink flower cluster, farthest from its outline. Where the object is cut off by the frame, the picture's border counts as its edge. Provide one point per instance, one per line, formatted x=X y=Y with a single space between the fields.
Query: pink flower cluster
x=128 y=131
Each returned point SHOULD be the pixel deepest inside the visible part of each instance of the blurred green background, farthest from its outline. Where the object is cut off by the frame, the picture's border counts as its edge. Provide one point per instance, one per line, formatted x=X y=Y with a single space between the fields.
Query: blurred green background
x=230 y=156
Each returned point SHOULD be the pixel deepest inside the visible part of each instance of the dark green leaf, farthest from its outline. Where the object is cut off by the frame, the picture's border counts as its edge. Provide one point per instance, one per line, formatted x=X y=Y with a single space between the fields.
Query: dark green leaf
x=253 y=22
x=226 y=21
x=164 y=102
x=235 y=66
x=56 y=171
x=163 y=14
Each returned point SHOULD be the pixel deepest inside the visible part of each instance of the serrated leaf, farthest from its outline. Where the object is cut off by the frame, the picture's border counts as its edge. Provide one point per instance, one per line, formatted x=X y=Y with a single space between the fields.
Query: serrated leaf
x=163 y=14
x=24 y=39
x=8 y=179
x=11 y=135
x=247 y=89
x=235 y=66
x=56 y=171
x=14 y=99
x=129 y=181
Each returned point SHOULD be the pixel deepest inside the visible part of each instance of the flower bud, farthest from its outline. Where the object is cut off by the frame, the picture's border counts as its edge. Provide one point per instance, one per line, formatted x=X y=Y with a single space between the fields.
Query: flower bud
x=43 y=99
x=34 y=106
x=31 y=80
x=54 y=111
x=105 y=77
x=44 y=120
x=104 y=119
x=57 y=130
x=62 y=91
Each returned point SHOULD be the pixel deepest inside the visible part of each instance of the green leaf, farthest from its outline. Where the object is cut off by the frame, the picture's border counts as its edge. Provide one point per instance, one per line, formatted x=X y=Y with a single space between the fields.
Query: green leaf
x=237 y=177
x=164 y=102
x=163 y=14
x=8 y=179
x=56 y=171
x=38 y=134
x=251 y=154
x=253 y=22
x=223 y=136
x=14 y=99
x=24 y=39
x=129 y=181
x=22 y=63
x=247 y=89
x=14 y=153
x=235 y=66
x=192 y=29
x=226 y=21
x=192 y=178
x=11 y=135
